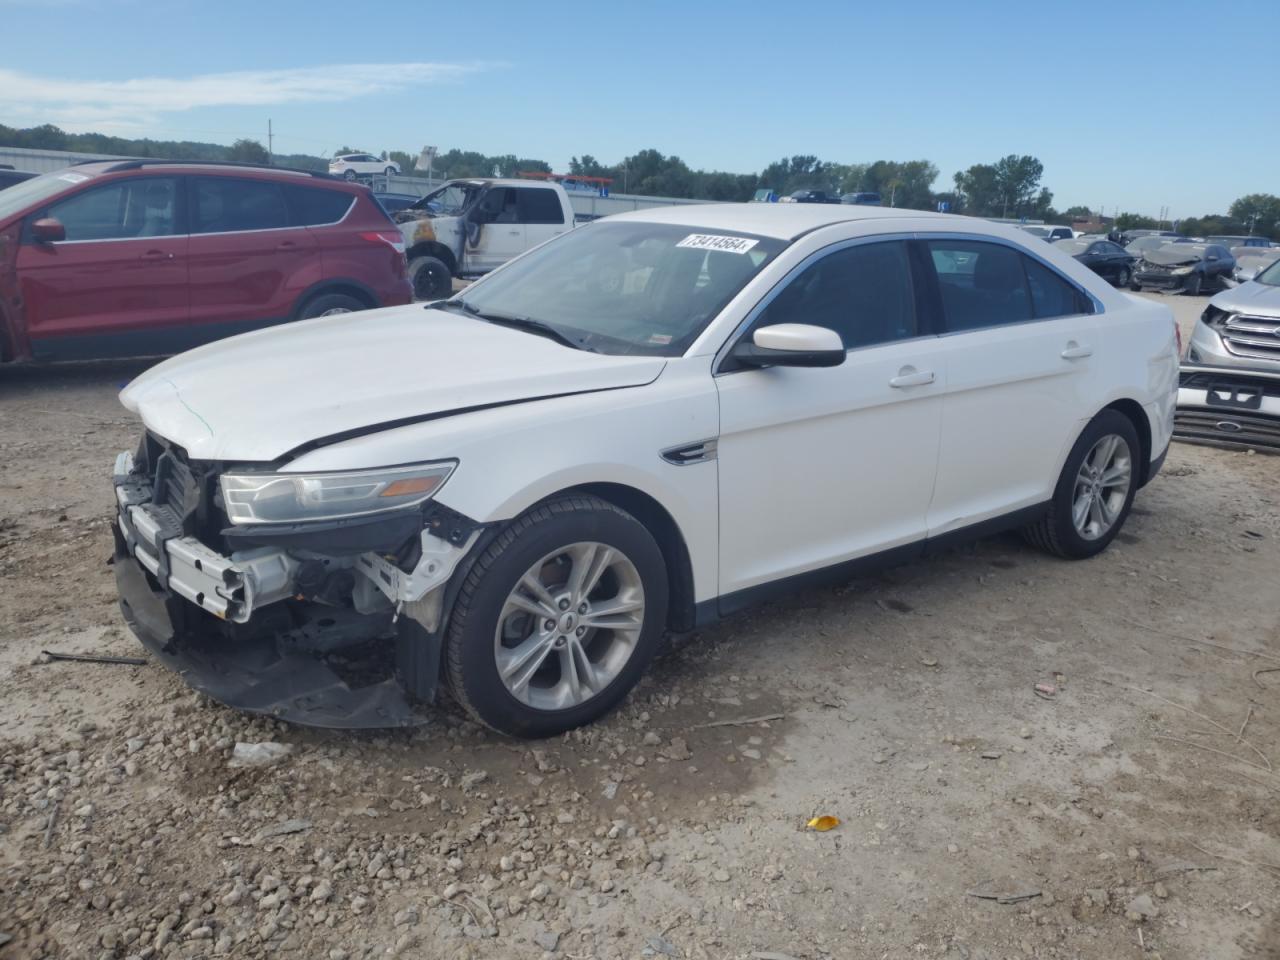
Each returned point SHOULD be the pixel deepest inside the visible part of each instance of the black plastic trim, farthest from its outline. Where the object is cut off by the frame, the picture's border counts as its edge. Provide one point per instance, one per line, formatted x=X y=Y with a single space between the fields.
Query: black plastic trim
x=380 y=533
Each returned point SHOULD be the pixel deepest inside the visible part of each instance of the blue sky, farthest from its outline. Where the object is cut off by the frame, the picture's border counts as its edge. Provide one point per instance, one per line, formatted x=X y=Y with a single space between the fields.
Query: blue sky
x=1109 y=95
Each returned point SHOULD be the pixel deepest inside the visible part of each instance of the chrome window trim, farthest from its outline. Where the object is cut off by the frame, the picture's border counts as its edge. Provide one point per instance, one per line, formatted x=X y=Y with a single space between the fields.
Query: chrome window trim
x=723 y=353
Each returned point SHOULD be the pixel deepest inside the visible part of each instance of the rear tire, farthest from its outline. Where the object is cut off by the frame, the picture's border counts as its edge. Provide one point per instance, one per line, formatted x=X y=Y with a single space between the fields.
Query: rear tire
x=430 y=277
x=522 y=654
x=349 y=175
x=330 y=304
x=1077 y=525
x=1193 y=284
x=1122 y=278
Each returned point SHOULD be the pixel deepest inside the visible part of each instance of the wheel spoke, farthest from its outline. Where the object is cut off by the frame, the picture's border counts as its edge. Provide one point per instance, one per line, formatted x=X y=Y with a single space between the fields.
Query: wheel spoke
x=547 y=603
x=1108 y=515
x=1080 y=512
x=1095 y=514
x=1117 y=475
x=539 y=610
x=614 y=615
x=520 y=663
x=590 y=561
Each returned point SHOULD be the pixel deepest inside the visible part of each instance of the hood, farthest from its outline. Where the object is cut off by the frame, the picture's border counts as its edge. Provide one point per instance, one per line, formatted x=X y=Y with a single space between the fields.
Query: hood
x=1172 y=254
x=1251 y=297
x=258 y=396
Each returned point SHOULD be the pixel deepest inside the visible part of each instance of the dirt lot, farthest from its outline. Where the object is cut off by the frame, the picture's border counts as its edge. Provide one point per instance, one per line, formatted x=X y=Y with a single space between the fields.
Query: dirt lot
x=1133 y=814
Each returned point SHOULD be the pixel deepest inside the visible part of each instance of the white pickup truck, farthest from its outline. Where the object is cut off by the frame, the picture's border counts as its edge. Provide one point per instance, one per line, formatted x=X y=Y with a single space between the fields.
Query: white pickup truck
x=468 y=227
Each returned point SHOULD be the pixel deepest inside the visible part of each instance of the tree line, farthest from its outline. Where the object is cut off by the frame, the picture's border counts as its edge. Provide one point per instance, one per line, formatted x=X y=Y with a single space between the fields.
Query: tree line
x=1008 y=187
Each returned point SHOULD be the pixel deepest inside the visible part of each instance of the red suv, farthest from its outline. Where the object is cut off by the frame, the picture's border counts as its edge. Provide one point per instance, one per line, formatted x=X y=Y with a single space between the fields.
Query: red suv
x=137 y=257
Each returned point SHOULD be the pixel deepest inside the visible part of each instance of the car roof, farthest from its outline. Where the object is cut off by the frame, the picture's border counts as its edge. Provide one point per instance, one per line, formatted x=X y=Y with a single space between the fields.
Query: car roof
x=102 y=167
x=785 y=221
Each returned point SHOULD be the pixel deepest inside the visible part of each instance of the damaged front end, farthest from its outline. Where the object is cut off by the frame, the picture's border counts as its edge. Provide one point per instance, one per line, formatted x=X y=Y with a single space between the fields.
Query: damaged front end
x=317 y=599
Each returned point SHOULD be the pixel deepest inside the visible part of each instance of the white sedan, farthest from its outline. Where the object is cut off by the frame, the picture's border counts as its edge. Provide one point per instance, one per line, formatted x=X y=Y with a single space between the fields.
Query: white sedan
x=639 y=427
x=349 y=166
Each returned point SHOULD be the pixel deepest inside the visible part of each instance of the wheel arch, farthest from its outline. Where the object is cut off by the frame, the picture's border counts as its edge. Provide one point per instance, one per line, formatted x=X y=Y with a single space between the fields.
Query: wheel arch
x=1133 y=411
x=343 y=285
x=671 y=541
x=434 y=248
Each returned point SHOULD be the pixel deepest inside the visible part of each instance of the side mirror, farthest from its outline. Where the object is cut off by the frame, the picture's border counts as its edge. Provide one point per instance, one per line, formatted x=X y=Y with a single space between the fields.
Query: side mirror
x=48 y=230
x=791 y=345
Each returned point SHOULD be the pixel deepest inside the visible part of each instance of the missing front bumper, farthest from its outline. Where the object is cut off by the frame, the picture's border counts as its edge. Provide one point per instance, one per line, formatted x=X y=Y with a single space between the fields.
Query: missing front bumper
x=282 y=672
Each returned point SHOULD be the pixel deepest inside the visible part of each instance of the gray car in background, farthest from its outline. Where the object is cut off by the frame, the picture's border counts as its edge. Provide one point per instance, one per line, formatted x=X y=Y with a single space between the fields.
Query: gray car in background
x=1241 y=327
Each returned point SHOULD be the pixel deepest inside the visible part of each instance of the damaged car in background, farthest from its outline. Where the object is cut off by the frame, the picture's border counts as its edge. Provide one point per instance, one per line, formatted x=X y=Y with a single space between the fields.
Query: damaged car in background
x=1229 y=393
x=1184 y=268
x=468 y=227
x=649 y=423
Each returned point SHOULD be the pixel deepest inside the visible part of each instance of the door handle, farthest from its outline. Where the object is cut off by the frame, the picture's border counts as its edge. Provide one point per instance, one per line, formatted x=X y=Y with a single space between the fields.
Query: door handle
x=911 y=377
x=1076 y=352
x=514 y=233
x=287 y=244
x=156 y=255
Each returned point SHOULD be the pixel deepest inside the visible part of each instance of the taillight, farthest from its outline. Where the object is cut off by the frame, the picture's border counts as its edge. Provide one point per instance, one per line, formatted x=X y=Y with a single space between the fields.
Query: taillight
x=393 y=238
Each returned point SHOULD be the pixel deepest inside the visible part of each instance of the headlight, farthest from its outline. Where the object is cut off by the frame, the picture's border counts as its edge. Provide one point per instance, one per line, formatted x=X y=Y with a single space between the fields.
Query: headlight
x=1181 y=271
x=300 y=497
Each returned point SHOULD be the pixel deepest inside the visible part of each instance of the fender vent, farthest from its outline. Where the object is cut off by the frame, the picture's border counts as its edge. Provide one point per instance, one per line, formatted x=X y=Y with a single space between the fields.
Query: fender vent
x=690 y=453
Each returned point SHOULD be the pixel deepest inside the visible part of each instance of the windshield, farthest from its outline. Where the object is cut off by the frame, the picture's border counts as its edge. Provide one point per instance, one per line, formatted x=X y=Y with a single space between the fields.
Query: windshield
x=1146 y=244
x=625 y=287
x=22 y=195
x=1074 y=246
x=451 y=199
x=1270 y=276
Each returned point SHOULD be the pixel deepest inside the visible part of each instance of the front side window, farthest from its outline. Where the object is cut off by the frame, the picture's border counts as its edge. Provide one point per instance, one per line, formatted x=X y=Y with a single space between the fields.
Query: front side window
x=624 y=288
x=450 y=200
x=498 y=206
x=862 y=292
x=538 y=206
x=227 y=205
x=982 y=284
x=136 y=207
x=1270 y=276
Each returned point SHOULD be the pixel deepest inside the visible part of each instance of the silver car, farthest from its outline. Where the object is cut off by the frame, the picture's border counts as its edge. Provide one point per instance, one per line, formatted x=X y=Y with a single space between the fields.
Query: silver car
x=1241 y=326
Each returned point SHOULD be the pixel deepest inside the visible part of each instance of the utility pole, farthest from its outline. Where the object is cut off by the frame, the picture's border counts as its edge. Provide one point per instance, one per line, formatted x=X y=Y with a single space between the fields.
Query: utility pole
x=270 y=143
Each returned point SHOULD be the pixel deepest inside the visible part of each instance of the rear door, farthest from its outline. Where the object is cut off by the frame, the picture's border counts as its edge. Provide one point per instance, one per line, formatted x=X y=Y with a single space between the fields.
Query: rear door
x=540 y=211
x=117 y=285
x=249 y=263
x=1019 y=340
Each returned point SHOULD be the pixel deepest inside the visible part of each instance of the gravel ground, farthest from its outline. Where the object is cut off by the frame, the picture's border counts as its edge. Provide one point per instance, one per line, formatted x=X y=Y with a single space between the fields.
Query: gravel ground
x=1132 y=814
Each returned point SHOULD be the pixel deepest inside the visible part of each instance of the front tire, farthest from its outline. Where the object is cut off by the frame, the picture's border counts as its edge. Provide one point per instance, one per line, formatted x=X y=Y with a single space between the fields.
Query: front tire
x=389 y=172
x=558 y=618
x=1122 y=278
x=1193 y=284
x=1095 y=490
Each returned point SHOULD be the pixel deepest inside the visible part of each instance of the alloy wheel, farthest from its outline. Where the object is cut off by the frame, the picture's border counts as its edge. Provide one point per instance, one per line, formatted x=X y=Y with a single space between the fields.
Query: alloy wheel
x=1102 y=487
x=569 y=626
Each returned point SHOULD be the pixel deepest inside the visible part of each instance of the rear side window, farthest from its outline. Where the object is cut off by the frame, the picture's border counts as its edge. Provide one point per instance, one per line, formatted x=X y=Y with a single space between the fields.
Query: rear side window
x=1051 y=295
x=134 y=207
x=539 y=206
x=862 y=292
x=312 y=206
x=982 y=284
x=226 y=204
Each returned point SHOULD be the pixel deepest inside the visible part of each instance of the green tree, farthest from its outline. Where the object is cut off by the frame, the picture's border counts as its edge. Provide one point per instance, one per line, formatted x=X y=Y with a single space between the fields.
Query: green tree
x=1135 y=221
x=1077 y=213
x=1261 y=211
x=977 y=190
x=1017 y=179
x=408 y=162
x=248 y=151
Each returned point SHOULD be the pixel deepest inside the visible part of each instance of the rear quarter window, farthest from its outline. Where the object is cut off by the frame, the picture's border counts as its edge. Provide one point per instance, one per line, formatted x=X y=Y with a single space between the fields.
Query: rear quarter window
x=315 y=206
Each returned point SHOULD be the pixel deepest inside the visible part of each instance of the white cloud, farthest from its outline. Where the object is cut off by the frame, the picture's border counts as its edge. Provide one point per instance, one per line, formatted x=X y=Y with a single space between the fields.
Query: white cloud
x=130 y=105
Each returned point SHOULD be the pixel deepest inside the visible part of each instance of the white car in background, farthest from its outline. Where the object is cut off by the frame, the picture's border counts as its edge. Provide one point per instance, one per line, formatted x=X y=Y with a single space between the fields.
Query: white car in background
x=353 y=165
x=643 y=425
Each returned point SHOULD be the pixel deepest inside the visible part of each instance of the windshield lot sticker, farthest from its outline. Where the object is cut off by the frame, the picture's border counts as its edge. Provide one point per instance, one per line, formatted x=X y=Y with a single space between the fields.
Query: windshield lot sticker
x=74 y=177
x=709 y=241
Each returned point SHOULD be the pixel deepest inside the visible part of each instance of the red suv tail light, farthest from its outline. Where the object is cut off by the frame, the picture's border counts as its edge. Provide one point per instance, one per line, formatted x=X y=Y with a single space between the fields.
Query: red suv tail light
x=392 y=238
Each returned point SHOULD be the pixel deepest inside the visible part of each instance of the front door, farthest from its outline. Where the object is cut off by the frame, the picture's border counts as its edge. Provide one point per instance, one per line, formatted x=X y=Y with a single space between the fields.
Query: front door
x=820 y=466
x=117 y=285
x=1019 y=340
x=495 y=233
